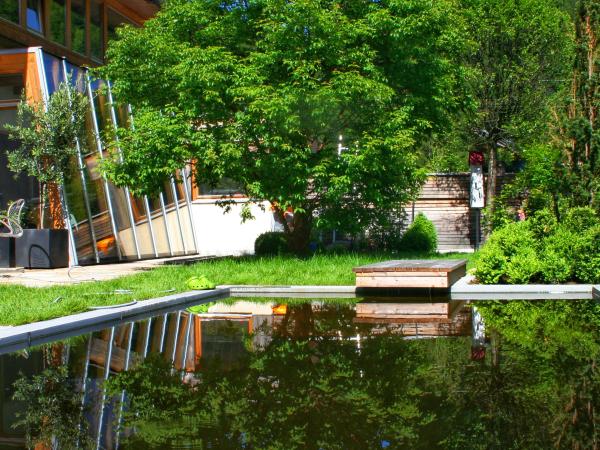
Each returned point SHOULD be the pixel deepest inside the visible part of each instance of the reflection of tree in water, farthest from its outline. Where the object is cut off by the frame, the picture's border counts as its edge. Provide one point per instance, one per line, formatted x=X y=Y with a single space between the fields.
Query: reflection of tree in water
x=311 y=386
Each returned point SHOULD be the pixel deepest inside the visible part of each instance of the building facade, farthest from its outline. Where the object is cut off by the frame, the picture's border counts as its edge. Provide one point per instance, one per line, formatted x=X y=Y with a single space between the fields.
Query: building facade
x=45 y=42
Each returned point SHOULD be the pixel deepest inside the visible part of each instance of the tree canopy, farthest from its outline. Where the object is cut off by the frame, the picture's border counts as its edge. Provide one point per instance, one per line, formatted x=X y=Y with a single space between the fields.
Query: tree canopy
x=314 y=106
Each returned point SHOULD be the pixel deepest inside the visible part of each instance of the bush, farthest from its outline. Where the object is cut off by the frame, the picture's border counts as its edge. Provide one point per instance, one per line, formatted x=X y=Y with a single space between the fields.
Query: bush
x=420 y=236
x=580 y=219
x=509 y=256
x=559 y=255
x=587 y=264
x=541 y=249
x=271 y=243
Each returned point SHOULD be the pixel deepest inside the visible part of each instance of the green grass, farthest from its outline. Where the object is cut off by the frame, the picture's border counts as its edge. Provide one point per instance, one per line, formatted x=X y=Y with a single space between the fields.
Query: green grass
x=19 y=304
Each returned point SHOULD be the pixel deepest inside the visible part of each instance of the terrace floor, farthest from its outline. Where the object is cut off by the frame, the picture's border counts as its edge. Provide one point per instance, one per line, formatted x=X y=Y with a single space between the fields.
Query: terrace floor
x=82 y=274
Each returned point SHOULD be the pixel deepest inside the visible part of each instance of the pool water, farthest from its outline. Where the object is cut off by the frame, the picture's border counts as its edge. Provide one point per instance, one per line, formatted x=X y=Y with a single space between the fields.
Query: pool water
x=315 y=374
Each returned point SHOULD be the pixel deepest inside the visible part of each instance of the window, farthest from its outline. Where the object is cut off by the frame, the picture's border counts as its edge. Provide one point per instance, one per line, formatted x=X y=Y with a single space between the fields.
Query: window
x=9 y=10
x=96 y=43
x=34 y=15
x=78 y=26
x=11 y=88
x=58 y=17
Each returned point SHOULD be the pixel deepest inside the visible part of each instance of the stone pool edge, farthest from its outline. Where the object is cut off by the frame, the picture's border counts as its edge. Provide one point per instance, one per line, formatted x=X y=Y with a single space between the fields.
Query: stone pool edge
x=40 y=332
x=460 y=291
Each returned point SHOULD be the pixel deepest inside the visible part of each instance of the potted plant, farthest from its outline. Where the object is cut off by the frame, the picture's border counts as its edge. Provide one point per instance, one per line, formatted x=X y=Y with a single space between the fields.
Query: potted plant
x=47 y=136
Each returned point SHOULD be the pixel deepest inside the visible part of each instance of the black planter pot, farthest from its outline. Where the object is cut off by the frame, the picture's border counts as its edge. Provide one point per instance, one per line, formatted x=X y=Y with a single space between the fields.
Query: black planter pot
x=42 y=249
x=7 y=252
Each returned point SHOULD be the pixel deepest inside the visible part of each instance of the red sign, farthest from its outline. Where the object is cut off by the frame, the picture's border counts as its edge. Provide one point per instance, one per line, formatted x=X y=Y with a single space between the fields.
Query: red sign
x=476 y=158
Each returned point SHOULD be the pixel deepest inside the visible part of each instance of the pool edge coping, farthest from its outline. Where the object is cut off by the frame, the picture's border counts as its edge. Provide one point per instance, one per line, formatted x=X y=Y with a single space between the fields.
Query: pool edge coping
x=462 y=290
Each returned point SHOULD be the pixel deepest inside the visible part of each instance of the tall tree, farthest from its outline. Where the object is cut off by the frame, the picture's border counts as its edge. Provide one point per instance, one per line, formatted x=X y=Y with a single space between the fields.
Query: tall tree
x=577 y=125
x=312 y=105
x=521 y=58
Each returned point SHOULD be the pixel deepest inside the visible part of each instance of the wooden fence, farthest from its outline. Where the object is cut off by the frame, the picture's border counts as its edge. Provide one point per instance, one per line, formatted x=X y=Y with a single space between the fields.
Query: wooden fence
x=444 y=200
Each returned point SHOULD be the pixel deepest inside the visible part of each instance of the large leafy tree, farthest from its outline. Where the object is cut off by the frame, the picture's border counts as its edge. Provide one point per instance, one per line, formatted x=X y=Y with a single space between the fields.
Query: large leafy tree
x=520 y=58
x=262 y=91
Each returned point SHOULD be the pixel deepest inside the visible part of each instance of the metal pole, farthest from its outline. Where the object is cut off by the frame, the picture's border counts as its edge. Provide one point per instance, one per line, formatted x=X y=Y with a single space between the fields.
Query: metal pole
x=187 y=195
x=186 y=344
x=176 y=201
x=146 y=204
x=113 y=117
x=125 y=368
x=176 y=337
x=106 y=375
x=147 y=337
x=111 y=212
x=164 y=214
x=162 y=333
x=86 y=197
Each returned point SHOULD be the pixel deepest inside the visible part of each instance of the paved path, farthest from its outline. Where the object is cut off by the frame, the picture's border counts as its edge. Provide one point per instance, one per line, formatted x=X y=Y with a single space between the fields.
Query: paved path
x=73 y=275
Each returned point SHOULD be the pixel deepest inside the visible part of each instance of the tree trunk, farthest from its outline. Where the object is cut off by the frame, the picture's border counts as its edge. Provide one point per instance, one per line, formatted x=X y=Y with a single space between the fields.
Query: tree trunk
x=491 y=183
x=298 y=234
x=57 y=221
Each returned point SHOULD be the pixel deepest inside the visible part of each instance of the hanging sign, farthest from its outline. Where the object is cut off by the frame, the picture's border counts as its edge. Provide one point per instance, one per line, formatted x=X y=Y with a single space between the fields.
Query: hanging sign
x=477 y=196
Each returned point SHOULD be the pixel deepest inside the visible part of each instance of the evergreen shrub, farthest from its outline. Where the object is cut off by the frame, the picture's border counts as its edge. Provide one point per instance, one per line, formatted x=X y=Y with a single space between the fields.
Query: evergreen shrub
x=541 y=249
x=271 y=243
x=420 y=236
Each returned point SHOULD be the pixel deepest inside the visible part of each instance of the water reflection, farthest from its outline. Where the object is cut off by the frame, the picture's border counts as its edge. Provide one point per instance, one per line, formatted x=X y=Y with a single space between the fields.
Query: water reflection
x=289 y=374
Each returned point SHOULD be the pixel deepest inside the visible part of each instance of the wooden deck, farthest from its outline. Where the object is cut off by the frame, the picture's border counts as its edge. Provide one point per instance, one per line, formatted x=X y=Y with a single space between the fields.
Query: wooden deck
x=417 y=273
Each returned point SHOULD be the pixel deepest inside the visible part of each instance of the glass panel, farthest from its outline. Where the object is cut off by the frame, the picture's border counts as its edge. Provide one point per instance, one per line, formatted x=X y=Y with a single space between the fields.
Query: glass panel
x=77 y=77
x=11 y=88
x=96 y=30
x=57 y=21
x=9 y=10
x=78 y=26
x=54 y=72
x=7 y=117
x=34 y=15
x=225 y=187
x=78 y=214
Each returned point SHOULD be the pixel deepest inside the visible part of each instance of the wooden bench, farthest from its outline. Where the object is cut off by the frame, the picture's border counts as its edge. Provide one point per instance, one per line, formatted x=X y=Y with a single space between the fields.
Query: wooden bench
x=411 y=273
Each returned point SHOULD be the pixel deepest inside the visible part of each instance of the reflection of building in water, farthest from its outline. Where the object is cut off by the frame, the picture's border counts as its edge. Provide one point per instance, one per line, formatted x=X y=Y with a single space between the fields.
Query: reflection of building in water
x=226 y=333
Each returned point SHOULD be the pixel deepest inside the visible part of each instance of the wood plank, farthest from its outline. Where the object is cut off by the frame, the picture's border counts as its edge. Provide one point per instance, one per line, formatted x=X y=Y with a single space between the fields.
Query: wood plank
x=402 y=282
x=413 y=265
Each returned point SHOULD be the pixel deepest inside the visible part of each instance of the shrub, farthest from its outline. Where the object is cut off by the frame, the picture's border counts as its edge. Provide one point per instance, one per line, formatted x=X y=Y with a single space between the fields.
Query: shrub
x=509 y=256
x=587 y=264
x=541 y=249
x=580 y=219
x=559 y=255
x=271 y=243
x=420 y=236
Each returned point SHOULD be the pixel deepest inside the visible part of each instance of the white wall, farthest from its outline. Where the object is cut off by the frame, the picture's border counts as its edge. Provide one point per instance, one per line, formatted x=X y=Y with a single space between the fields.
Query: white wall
x=221 y=233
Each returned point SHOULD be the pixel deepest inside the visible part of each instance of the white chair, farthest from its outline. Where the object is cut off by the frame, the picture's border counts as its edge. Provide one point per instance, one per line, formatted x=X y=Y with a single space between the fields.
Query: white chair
x=12 y=220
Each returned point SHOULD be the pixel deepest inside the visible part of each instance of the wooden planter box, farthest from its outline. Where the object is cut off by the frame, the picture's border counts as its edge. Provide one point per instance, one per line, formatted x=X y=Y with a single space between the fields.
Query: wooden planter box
x=417 y=273
x=42 y=249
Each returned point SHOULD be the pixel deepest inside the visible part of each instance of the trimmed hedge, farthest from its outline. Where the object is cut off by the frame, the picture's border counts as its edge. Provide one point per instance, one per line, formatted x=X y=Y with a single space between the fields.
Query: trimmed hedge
x=542 y=250
x=271 y=243
x=420 y=236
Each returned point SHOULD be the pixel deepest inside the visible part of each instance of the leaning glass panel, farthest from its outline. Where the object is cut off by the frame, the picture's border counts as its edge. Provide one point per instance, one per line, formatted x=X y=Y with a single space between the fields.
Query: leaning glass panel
x=34 y=15
x=58 y=18
x=78 y=26
x=54 y=71
x=9 y=10
x=74 y=191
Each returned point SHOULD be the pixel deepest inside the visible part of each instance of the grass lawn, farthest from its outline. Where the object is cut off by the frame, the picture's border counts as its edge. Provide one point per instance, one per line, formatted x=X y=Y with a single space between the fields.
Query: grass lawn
x=19 y=304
